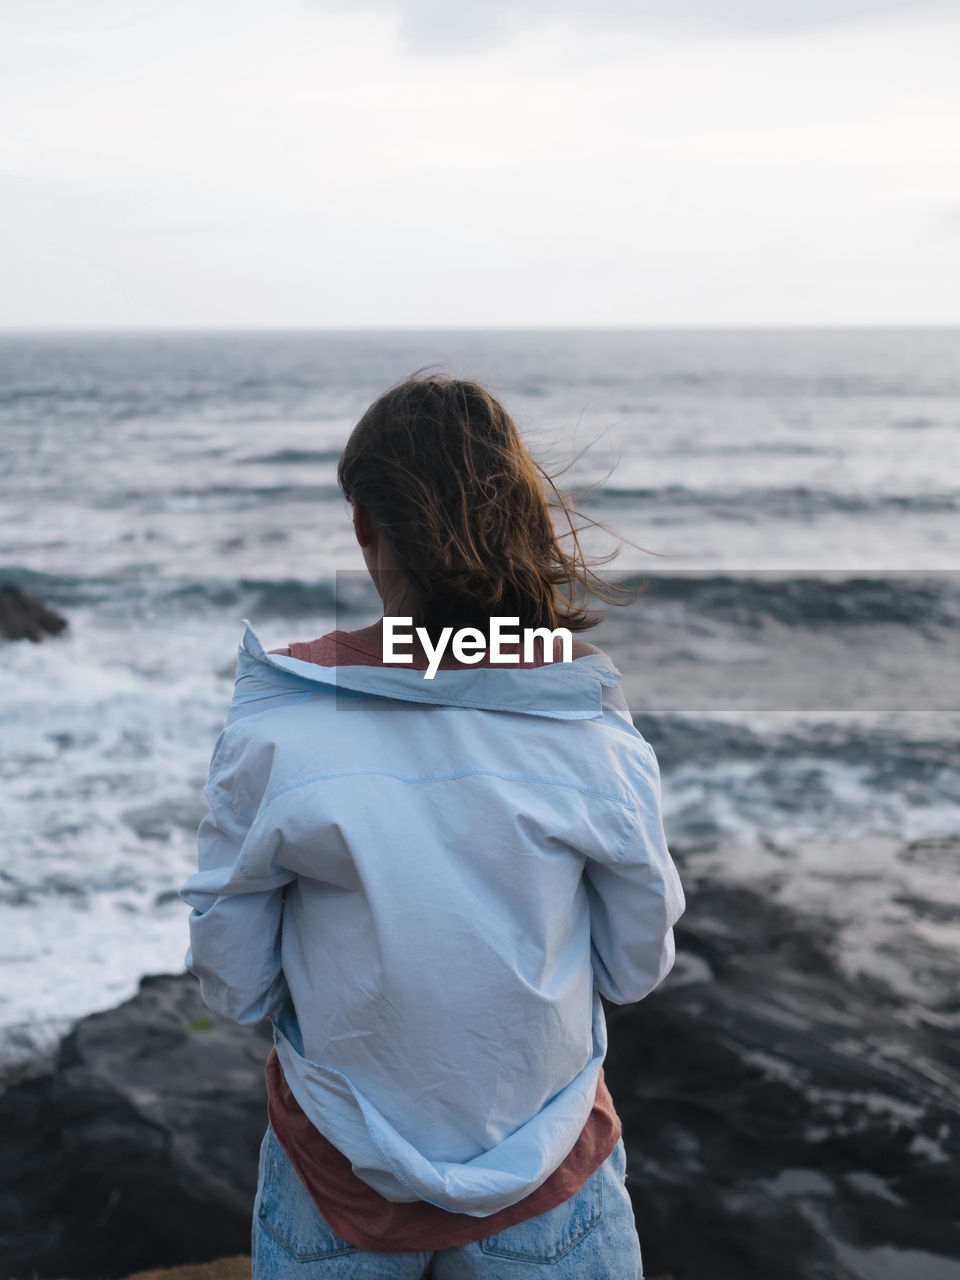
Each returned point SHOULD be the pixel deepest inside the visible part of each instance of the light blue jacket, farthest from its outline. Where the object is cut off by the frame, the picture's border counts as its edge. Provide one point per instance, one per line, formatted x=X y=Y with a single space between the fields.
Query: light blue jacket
x=425 y=884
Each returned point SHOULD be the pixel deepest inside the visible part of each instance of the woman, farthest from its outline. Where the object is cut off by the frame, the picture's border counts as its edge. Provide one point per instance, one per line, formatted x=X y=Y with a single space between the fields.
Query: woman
x=427 y=884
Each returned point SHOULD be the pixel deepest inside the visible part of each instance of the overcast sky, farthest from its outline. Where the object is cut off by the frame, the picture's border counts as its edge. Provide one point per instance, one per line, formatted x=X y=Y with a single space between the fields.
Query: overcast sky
x=427 y=163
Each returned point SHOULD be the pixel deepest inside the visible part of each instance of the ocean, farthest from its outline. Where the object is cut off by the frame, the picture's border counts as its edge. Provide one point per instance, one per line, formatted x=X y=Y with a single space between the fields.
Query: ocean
x=791 y=498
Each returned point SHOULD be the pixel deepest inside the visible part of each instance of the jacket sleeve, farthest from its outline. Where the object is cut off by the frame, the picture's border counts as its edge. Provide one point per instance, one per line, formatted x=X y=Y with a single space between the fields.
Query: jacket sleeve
x=237 y=893
x=635 y=900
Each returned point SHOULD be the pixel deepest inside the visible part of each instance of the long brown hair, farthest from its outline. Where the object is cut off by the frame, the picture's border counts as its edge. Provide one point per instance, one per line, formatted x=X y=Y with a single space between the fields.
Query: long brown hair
x=444 y=474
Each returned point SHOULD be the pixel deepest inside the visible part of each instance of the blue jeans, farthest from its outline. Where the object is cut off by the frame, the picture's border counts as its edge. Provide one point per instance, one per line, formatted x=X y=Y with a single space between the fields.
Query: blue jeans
x=591 y=1236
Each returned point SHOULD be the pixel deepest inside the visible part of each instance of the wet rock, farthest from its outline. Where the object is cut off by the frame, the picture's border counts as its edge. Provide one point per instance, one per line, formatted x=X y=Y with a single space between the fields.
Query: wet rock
x=140 y=1149
x=780 y=1119
x=782 y=1122
x=23 y=618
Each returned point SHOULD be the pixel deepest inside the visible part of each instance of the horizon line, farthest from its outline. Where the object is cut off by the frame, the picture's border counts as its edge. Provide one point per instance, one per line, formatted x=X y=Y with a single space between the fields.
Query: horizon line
x=682 y=327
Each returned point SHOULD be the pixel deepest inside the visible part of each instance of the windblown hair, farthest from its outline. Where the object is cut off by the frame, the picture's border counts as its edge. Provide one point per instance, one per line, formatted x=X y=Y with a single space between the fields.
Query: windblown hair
x=444 y=474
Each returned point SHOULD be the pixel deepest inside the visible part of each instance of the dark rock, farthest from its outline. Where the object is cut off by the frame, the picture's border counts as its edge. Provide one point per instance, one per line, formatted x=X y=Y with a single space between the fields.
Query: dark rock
x=23 y=618
x=140 y=1149
x=781 y=1122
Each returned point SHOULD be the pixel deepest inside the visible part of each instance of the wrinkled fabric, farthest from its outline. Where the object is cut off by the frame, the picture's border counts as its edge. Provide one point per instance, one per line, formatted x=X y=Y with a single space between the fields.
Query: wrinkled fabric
x=426 y=885
x=591 y=1236
x=360 y=1215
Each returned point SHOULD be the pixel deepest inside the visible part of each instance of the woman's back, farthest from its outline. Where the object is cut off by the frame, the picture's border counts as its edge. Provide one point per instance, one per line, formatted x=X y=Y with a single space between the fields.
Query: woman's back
x=436 y=935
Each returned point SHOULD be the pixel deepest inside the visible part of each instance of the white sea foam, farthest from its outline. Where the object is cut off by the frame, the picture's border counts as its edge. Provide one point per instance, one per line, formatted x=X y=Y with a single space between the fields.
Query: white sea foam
x=107 y=738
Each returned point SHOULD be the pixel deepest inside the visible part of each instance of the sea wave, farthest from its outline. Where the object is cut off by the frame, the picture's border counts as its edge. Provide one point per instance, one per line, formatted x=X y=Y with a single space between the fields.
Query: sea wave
x=291 y=458
x=217 y=497
x=148 y=595
x=917 y=757
x=909 y=599
x=915 y=600
x=753 y=503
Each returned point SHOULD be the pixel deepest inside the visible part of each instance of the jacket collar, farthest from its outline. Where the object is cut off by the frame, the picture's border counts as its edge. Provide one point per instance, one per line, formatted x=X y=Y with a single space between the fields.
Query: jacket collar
x=560 y=690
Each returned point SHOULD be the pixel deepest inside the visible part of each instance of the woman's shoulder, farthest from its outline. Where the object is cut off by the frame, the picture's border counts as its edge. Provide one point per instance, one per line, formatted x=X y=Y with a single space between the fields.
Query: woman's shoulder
x=581 y=648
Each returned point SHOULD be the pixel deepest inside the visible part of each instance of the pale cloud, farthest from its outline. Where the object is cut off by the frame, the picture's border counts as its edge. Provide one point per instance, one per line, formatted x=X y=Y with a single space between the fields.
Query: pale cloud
x=946 y=221
x=442 y=25
x=298 y=163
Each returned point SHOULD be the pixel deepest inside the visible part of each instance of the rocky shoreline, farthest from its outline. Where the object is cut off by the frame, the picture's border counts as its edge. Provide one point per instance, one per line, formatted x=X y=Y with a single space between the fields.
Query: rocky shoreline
x=780 y=1121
